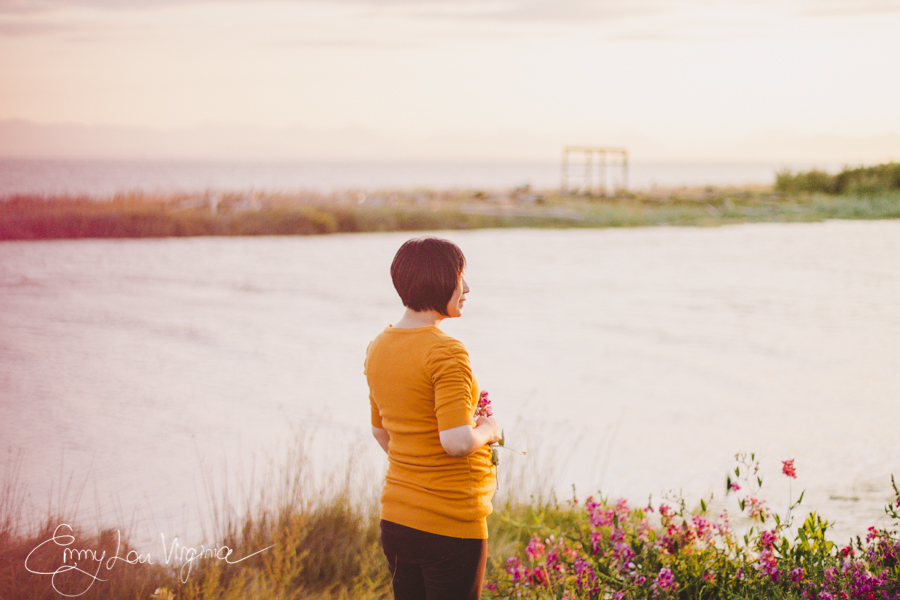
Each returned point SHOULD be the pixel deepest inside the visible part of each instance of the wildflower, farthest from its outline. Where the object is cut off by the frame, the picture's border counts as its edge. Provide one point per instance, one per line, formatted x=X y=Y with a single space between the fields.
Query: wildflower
x=734 y=486
x=484 y=405
x=767 y=539
x=767 y=565
x=539 y=576
x=873 y=533
x=622 y=554
x=788 y=468
x=757 y=508
x=797 y=574
x=664 y=582
x=515 y=570
x=535 y=549
x=703 y=527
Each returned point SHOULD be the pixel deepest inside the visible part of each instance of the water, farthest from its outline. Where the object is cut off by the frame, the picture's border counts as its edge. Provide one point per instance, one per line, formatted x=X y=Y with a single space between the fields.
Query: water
x=101 y=178
x=137 y=374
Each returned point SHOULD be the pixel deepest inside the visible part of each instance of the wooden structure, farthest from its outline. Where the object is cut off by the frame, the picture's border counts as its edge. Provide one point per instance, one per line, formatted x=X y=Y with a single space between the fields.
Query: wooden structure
x=585 y=169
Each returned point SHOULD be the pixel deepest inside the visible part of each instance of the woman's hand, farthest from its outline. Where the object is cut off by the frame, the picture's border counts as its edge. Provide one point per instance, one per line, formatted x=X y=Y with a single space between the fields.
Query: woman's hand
x=465 y=439
x=490 y=425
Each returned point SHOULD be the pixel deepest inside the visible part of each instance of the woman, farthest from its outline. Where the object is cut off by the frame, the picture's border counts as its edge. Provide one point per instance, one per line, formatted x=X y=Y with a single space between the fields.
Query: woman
x=440 y=480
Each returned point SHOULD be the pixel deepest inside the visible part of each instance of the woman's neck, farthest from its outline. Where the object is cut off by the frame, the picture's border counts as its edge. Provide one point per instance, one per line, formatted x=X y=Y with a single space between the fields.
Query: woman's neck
x=414 y=319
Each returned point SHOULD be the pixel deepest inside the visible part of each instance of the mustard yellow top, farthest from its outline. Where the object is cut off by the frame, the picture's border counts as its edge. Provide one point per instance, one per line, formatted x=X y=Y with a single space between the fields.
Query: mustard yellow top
x=421 y=383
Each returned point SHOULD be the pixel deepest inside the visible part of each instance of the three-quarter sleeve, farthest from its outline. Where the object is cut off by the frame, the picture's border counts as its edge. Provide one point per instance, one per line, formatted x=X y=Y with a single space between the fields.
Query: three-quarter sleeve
x=454 y=385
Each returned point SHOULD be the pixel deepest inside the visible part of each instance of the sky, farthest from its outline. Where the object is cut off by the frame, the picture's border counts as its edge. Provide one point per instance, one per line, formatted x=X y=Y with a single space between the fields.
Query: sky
x=508 y=78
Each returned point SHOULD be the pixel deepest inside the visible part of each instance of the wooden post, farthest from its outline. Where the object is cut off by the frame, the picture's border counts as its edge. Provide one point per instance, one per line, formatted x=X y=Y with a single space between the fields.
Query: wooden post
x=587 y=173
x=602 y=167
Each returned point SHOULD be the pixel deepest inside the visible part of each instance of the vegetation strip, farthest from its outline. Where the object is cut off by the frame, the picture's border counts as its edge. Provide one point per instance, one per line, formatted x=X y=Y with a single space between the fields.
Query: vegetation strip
x=320 y=544
x=138 y=216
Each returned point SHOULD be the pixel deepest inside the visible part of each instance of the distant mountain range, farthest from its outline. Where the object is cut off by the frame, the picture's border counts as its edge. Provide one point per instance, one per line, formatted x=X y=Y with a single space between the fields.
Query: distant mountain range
x=27 y=139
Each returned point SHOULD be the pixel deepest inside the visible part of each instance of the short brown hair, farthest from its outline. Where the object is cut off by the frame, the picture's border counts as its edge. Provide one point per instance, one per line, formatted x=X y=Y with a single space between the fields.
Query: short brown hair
x=426 y=272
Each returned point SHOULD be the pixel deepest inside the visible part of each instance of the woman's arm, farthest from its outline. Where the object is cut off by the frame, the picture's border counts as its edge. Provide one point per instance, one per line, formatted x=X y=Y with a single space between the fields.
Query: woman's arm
x=382 y=436
x=465 y=439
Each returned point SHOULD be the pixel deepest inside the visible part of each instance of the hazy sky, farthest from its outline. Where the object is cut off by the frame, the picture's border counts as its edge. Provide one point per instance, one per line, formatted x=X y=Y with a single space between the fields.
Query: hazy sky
x=680 y=72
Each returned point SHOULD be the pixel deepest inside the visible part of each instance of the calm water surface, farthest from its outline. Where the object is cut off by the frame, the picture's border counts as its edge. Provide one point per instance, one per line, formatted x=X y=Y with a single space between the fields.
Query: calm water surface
x=136 y=376
x=103 y=178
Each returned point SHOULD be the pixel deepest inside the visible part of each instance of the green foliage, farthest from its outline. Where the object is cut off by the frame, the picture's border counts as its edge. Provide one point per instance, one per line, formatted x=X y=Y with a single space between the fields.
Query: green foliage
x=861 y=181
x=805 y=183
x=612 y=550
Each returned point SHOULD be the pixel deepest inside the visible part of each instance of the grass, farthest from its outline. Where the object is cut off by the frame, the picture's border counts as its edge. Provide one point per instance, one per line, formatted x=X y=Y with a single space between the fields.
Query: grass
x=309 y=542
x=306 y=213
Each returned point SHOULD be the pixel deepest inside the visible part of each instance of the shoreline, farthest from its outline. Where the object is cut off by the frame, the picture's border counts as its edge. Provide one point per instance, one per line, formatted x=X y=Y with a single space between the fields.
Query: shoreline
x=140 y=215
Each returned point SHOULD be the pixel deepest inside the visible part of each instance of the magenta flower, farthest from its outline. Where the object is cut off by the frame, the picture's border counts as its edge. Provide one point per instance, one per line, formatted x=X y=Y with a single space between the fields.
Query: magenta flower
x=484 y=406
x=767 y=539
x=535 y=549
x=788 y=468
x=515 y=570
x=664 y=582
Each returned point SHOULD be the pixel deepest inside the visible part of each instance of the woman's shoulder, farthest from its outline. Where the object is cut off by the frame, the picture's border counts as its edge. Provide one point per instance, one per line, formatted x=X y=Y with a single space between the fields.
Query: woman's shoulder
x=442 y=346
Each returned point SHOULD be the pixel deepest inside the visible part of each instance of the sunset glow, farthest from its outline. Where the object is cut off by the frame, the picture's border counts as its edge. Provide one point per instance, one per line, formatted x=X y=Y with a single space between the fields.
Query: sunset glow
x=668 y=78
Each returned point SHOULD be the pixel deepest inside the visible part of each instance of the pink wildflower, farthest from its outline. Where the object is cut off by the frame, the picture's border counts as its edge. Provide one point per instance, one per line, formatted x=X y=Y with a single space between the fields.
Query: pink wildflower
x=767 y=539
x=664 y=582
x=788 y=468
x=515 y=570
x=757 y=508
x=703 y=527
x=768 y=565
x=539 y=576
x=734 y=486
x=535 y=549
x=797 y=574
x=484 y=406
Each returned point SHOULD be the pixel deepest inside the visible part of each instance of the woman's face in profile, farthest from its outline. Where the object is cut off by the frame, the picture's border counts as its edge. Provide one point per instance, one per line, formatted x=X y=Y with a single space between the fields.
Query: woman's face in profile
x=455 y=306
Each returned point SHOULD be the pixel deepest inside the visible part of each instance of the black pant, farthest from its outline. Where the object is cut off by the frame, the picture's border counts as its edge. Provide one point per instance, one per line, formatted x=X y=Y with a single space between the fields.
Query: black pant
x=428 y=566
